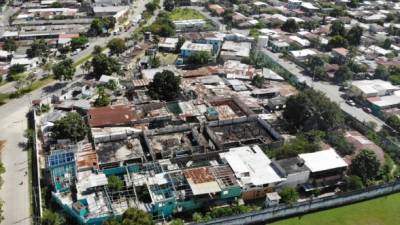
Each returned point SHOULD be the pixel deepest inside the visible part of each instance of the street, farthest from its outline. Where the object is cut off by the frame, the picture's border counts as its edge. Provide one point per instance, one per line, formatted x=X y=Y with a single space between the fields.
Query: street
x=330 y=90
x=15 y=190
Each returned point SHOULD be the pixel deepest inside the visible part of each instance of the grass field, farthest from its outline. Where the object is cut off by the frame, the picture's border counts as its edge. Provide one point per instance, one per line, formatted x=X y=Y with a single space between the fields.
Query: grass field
x=185 y=14
x=380 y=211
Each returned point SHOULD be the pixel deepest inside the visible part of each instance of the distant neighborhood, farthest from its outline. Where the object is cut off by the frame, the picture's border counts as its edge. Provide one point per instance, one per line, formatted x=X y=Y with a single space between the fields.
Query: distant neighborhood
x=186 y=111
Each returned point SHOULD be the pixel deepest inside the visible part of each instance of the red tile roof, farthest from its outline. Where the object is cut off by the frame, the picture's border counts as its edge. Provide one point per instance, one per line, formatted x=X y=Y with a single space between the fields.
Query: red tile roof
x=111 y=115
x=199 y=175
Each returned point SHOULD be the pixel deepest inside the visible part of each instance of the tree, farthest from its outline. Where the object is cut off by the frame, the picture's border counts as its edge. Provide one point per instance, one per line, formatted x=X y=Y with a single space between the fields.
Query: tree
x=258 y=81
x=132 y=216
x=381 y=72
x=365 y=165
x=353 y=3
x=115 y=183
x=87 y=66
x=354 y=183
x=315 y=64
x=38 y=48
x=79 y=42
x=103 y=99
x=16 y=69
x=337 y=28
x=97 y=50
x=338 y=141
x=169 y=5
x=56 y=5
x=177 y=222
x=179 y=44
x=310 y=25
x=102 y=25
x=354 y=35
x=165 y=86
x=104 y=65
x=163 y=26
x=64 y=70
x=312 y=110
x=289 y=195
x=199 y=58
x=300 y=144
x=71 y=126
x=343 y=74
x=394 y=122
x=338 y=42
x=387 y=43
x=10 y=45
x=154 y=62
x=51 y=218
x=290 y=26
x=151 y=7
x=116 y=45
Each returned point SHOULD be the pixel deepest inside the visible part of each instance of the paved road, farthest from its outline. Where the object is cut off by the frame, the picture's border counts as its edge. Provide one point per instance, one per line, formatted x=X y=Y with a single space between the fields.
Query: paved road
x=330 y=90
x=12 y=125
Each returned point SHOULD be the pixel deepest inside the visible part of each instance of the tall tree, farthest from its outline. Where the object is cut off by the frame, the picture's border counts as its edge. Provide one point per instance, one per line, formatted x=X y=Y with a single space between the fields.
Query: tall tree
x=132 y=216
x=381 y=72
x=343 y=74
x=365 y=165
x=10 y=45
x=310 y=110
x=103 y=99
x=115 y=183
x=337 y=28
x=289 y=195
x=354 y=35
x=52 y=218
x=64 y=70
x=71 y=126
x=116 y=45
x=199 y=58
x=394 y=122
x=38 y=48
x=338 y=42
x=169 y=5
x=290 y=26
x=310 y=25
x=104 y=65
x=79 y=42
x=165 y=86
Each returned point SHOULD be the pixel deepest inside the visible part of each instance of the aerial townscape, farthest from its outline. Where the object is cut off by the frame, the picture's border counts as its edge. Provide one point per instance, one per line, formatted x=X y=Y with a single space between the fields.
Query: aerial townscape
x=199 y=112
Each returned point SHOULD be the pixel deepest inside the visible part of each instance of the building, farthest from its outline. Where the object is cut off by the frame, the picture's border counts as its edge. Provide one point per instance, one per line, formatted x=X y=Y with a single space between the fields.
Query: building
x=189 y=25
x=253 y=171
x=235 y=50
x=372 y=88
x=279 y=46
x=189 y=48
x=294 y=170
x=340 y=55
x=168 y=44
x=326 y=169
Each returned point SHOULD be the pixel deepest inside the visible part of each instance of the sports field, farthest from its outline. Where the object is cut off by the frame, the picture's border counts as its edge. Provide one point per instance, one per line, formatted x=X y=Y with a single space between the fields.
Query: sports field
x=380 y=211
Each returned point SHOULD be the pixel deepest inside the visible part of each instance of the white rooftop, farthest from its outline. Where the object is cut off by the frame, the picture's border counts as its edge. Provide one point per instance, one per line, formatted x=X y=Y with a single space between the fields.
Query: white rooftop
x=303 y=53
x=323 y=160
x=251 y=166
x=189 y=46
x=379 y=87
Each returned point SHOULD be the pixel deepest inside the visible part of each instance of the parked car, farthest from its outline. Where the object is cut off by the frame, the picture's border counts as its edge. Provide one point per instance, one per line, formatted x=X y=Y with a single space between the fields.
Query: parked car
x=351 y=102
x=367 y=110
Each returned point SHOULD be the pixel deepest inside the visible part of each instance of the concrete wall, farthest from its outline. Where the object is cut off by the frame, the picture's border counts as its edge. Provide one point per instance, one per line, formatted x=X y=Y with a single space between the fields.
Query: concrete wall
x=283 y=210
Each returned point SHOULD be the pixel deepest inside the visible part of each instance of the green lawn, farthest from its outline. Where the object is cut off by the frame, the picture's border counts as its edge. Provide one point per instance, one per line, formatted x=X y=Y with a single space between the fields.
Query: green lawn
x=185 y=14
x=380 y=211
